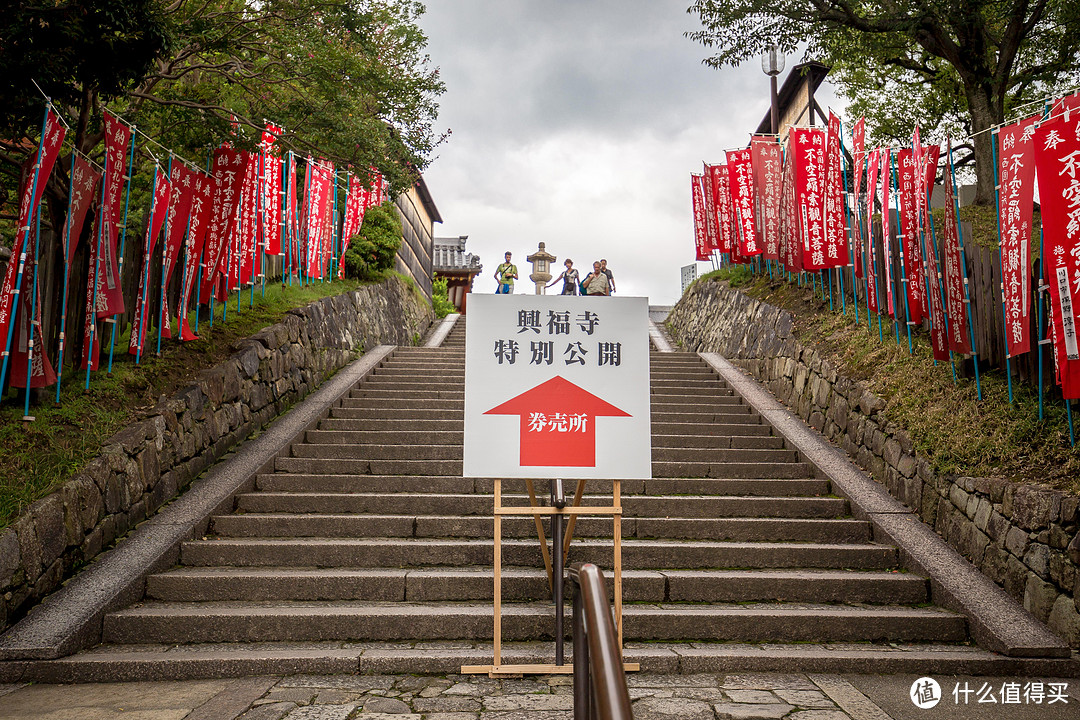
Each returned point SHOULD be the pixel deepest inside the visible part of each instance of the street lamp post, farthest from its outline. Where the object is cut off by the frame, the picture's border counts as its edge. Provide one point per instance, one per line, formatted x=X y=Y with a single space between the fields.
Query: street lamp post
x=772 y=64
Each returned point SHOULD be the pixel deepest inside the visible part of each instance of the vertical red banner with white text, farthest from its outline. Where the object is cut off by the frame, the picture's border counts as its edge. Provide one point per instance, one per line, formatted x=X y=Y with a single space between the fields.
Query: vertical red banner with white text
x=909 y=229
x=959 y=339
x=1057 y=161
x=1016 y=192
x=809 y=149
x=765 y=159
x=836 y=247
x=741 y=187
x=697 y=202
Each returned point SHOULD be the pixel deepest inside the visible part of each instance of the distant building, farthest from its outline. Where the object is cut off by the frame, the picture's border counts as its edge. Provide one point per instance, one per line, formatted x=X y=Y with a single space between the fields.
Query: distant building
x=418 y=217
x=457 y=266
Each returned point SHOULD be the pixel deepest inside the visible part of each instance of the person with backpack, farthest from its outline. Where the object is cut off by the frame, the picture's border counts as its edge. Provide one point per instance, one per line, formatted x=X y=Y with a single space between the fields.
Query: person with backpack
x=506 y=274
x=570 y=278
x=596 y=283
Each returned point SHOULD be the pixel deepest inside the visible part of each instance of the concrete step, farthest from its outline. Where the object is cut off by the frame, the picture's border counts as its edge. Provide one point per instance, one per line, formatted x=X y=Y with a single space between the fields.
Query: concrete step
x=687 y=373
x=663 y=469
x=324 y=483
x=729 y=414
x=297 y=621
x=393 y=425
x=306 y=524
x=723 y=455
x=686 y=386
x=417 y=385
x=384 y=452
x=316 y=483
x=638 y=506
x=432 y=375
x=388 y=437
x=807 y=487
x=673 y=394
x=761 y=442
x=362 y=392
x=148 y=662
x=676 y=403
x=754 y=426
x=368 y=467
x=637 y=554
x=385 y=413
x=530 y=584
x=405 y=403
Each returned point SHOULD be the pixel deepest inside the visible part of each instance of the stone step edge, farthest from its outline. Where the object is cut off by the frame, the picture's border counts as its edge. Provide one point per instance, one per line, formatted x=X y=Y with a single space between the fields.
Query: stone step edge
x=138 y=663
x=71 y=618
x=996 y=621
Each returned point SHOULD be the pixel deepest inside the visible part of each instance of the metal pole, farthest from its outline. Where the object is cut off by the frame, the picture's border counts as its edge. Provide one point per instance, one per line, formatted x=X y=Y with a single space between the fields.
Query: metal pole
x=142 y=314
x=123 y=238
x=67 y=276
x=558 y=500
x=963 y=270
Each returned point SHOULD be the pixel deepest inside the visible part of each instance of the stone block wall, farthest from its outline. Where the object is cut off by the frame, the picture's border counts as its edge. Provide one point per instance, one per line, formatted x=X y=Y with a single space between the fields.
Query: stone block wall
x=152 y=460
x=1024 y=537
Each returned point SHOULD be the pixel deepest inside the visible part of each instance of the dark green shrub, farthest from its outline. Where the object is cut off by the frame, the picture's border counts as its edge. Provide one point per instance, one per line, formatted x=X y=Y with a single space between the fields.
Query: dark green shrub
x=371 y=251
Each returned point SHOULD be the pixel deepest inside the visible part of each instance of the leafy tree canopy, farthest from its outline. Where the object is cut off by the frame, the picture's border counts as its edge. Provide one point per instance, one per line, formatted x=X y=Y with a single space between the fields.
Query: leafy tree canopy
x=347 y=79
x=948 y=65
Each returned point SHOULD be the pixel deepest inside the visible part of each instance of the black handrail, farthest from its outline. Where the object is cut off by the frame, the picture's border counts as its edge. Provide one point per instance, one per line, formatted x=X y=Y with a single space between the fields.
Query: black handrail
x=599 y=680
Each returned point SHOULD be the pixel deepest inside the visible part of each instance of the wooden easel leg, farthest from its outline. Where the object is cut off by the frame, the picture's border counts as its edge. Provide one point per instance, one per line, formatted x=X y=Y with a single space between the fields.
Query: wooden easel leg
x=617 y=556
x=578 y=495
x=540 y=532
x=497 y=566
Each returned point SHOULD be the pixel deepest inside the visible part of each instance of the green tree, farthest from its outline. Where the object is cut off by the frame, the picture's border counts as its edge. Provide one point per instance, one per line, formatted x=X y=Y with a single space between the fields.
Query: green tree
x=963 y=62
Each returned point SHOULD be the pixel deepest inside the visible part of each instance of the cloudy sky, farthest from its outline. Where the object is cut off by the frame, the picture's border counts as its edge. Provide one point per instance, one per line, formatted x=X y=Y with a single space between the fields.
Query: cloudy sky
x=577 y=123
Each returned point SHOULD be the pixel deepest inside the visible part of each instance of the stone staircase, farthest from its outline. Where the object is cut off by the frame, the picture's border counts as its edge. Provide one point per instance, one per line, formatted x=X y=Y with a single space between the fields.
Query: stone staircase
x=365 y=550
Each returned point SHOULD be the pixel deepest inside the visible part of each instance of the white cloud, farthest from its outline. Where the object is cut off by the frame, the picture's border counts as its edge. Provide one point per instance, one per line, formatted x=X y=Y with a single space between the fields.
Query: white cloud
x=577 y=124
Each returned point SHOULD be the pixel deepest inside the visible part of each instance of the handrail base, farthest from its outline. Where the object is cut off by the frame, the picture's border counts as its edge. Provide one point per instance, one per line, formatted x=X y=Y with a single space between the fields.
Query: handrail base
x=534 y=669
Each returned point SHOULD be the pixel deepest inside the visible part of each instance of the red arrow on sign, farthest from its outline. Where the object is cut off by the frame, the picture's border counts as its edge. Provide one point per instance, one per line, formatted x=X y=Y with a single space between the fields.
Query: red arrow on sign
x=558 y=427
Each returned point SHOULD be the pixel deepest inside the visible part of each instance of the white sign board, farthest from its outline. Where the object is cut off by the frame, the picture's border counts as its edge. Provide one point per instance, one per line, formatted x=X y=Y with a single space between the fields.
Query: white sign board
x=557 y=387
x=689 y=275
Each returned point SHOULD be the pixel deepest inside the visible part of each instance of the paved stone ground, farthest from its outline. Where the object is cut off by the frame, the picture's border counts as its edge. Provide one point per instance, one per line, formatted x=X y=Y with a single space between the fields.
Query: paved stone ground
x=731 y=696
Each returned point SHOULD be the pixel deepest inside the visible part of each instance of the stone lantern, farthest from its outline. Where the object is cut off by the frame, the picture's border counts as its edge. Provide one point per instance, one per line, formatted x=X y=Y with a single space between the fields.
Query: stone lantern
x=541 y=275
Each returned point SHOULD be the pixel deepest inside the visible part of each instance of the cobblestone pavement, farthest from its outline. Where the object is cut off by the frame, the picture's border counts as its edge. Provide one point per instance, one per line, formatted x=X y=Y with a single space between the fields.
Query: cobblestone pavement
x=734 y=696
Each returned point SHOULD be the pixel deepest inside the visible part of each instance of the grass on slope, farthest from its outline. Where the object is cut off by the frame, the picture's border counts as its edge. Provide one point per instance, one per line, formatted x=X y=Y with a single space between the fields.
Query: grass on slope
x=956 y=432
x=37 y=457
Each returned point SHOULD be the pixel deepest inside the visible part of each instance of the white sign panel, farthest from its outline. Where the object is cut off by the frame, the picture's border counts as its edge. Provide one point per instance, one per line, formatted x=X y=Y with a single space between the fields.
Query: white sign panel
x=689 y=275
x=557 y=387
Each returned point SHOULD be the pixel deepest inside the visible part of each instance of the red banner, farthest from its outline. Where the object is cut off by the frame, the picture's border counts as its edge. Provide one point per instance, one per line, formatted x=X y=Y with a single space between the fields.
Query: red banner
x=836 y=247
x=741 y=187
x=858 y=150
x=30 y=193
x=159 y=210
x=318 y=204
x=712 y=224
x=110 y=297
x=292 y=217
x=1065 y=107
x=202 y=202
x=959 y=338
x=242 y=244
x=697 y=197
x=871 y=246
x=230 y=168
x=1057 y=160
x=886 y=225
x=354 y=211
x=809 y=148
x=790 y=246
x=183 y=191
x=271 y=187
x=25 y=348
x=911 y=254
x=765 y=159
x=84 y=180
x=1016 y=190
x=718 y=180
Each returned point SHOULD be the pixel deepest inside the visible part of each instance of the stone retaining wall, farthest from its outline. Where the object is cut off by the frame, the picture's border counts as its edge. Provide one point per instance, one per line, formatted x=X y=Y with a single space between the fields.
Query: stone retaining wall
x=1024 y=537
x=150 y=461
